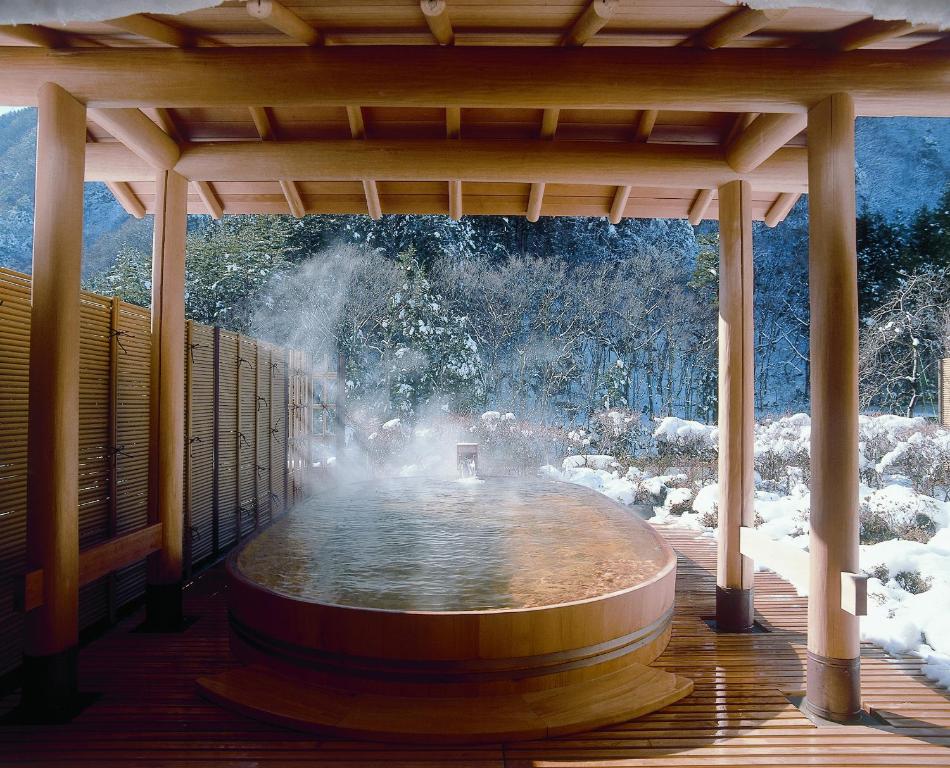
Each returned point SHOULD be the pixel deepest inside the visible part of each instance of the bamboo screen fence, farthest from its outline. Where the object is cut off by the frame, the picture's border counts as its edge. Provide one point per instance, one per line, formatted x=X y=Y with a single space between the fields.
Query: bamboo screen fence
x=247 y=421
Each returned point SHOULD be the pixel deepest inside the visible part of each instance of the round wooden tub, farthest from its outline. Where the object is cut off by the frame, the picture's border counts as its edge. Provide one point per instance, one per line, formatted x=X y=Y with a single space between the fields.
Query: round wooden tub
x=455 y=611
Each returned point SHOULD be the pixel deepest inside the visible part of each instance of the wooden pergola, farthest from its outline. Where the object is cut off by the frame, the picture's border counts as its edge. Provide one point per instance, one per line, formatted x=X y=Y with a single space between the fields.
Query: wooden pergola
x=685 y=108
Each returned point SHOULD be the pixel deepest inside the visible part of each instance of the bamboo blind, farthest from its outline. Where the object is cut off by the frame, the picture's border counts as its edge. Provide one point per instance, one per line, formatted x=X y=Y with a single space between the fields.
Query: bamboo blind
x=237 y=433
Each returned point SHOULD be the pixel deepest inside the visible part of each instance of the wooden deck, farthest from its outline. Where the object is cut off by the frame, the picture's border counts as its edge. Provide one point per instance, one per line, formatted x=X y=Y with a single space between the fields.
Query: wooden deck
x=149 y=711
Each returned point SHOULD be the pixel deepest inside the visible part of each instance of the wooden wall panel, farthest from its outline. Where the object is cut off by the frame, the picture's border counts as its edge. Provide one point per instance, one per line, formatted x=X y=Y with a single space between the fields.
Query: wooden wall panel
x=95 y=443
x=199 y=455
x=14 y=373
x=247 y=434
x=245 y=461
x=131 y=465
x=227 y=440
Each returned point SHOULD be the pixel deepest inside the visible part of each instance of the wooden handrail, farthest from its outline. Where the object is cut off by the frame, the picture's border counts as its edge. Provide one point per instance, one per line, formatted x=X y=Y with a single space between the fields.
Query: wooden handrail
x=95 y=562
x=756 y=545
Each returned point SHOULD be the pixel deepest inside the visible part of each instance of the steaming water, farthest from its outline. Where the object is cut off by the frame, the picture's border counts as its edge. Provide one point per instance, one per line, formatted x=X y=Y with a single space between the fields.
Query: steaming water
x=440 y=545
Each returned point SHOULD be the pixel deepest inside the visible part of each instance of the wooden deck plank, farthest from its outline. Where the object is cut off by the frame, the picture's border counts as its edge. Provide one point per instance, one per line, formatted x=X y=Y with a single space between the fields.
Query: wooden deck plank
x=150 y=713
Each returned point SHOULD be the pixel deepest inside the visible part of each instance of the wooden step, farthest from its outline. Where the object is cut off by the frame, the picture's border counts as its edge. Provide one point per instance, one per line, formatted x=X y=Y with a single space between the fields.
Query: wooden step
x=264 y=694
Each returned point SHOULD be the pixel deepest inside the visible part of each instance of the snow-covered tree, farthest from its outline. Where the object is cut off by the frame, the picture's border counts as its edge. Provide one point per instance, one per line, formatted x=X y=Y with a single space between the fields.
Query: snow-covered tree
x=427 y=354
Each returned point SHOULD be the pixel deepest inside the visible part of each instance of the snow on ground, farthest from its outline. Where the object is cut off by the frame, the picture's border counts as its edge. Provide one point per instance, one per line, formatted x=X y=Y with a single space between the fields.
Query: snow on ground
x=909 y=592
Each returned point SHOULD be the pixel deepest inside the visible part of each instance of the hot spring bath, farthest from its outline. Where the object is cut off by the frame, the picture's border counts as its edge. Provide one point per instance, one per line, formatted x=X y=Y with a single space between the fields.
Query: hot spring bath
x=526 y=604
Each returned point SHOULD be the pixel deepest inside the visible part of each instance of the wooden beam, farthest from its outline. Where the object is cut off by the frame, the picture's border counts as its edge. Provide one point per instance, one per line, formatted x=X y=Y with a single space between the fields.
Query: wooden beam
x=734 y=27
x=453 y=122
x=263 y=123
x=294 y=200
x=561 y=162
x=741 y=122
x=834 y=651
x=734 y=572
x=149 y=27
x=123 y=193
x=354 y=115
x=590 y=22
x=95 y=562
x=453 y=130
x=535 y=200
x=165 y=120
x=52 y=531
x=436 y=14
x=372 y=199
x=882 y=83
x=34 y=34
x=762 y=139
x=863 y=33
x=209 y=198
x=697 y=211
x=141 y=135
x=455 y=199
x=166 y=399
x=645 y=125
x=549 y=120
x=265 y=129
x=619 y=204
x=781 y=208
x=283 y=19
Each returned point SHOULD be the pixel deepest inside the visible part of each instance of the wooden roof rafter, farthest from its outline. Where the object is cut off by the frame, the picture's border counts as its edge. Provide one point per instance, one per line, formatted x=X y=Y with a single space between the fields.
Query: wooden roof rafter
x=281 y=18
x=733 y=61
x=265 y=129
x=354 y=114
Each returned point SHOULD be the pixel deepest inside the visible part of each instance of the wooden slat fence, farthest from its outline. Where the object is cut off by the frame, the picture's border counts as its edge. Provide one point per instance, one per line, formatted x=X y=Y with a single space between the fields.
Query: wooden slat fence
x=244 y=408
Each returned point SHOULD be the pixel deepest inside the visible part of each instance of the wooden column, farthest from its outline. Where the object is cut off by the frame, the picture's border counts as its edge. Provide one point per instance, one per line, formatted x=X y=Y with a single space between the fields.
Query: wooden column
x=167 y=426
x=734 y=572
x=834 y=651
x=52 y=630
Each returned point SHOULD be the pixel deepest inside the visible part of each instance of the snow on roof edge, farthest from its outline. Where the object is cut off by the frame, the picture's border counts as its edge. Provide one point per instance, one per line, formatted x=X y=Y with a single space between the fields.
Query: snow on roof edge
x=64 y=11
x=915 y=11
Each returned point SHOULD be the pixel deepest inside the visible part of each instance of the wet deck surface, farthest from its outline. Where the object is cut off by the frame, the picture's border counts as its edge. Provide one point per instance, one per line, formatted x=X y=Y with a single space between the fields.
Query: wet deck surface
x=149 y=712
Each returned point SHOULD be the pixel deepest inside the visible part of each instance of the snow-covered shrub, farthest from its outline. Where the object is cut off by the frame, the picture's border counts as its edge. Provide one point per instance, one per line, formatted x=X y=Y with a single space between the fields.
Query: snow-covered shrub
x=923 y=458
x=623 y=434
x=782 y=456
x=913 y=582
x=896 y=512
x=878 y=436
x=678 y=501
x=686 y=439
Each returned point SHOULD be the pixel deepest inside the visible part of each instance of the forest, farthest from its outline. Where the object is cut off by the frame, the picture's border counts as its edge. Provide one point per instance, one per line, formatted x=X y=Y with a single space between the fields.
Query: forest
x=558 y=320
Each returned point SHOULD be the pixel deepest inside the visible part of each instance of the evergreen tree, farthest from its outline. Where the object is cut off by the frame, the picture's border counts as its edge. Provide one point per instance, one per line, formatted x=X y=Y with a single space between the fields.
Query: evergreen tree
x=129 y=277
x=881 y=248
x=427 y=353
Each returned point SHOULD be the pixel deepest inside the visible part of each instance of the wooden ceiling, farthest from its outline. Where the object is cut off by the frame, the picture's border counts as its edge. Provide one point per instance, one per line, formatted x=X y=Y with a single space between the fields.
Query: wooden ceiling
x=452 y=158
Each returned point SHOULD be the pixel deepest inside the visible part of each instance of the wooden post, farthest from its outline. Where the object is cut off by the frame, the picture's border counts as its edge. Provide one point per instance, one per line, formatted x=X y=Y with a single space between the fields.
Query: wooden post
x=834 y=652
x=734 y=572
x=166 y=404
x=52 y=542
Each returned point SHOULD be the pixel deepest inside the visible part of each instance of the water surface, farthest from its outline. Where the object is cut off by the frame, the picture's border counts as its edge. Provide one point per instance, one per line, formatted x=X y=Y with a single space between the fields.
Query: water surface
x=447 y=545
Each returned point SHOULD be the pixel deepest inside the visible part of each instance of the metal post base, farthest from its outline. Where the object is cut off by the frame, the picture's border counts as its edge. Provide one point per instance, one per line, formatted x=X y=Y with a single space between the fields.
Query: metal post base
x=734 y=610
x=834 y=688
x=163 y=608
x=50 y=687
